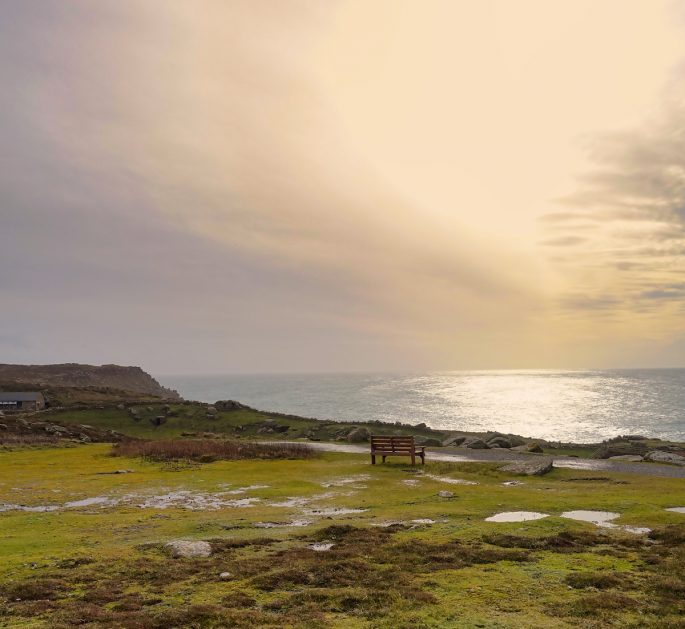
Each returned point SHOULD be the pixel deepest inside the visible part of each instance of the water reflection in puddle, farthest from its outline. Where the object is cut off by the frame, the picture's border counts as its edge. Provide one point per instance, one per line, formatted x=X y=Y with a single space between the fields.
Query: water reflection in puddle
x=516 y=516
x=600 y=518
x=604 y=519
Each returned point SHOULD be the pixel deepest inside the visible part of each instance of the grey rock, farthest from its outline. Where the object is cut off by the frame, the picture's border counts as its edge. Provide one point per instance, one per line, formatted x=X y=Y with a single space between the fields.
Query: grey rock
x=536 y=448
x=499 y=442
x=454 y=441
x=476 y=444
x=658 y=456
x=188 y=548
x=84 y=438
x=225 y=576
x=633 y=458
x=445 y=494
x=120 y=407
x=538 y=467
x=358 y=435
x=229 y=405
x=430 y=442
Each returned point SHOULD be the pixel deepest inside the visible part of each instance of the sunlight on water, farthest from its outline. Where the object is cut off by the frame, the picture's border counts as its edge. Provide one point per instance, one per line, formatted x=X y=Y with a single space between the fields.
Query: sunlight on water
x=579 y=406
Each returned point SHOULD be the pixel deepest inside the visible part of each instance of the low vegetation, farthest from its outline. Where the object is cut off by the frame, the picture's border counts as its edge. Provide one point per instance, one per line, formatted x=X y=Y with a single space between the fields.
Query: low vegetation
x=206 y=451
x=400 y=553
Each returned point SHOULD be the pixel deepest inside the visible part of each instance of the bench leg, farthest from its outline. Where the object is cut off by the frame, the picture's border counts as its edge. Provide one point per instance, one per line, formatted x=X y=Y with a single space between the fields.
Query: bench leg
x=384 y=458
x=413 y=459
x=373 y=459
x=423 y=458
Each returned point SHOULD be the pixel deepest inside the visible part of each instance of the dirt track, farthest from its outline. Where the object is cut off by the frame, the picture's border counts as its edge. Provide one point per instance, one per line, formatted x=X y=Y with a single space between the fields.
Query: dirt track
x=503 y=455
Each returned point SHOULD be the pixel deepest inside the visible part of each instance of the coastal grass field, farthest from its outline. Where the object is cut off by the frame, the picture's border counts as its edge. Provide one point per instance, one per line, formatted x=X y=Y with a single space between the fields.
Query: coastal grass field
x=84 y=546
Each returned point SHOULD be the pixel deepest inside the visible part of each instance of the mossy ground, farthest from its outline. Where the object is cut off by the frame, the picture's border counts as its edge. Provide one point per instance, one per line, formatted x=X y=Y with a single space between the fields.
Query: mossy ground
x=105 y=567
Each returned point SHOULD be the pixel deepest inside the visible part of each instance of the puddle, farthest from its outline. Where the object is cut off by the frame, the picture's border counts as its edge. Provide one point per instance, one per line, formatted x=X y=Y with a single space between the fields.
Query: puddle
x=36 y=509
x=350 y=480
x=333 y=511
x=516 y=516
x=604 y=519
x=677 y=509
x=242 y=490
x=301 y=501
x=89 y=502
x=182 y=499
x=321 y=547
x=192 y=501
x=278 y=525
x=423 y=521
x=451 y=481
x=600 y=518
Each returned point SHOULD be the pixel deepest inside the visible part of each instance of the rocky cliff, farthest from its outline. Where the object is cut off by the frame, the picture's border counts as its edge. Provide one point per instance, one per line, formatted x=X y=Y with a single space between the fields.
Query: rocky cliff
x=131 y=380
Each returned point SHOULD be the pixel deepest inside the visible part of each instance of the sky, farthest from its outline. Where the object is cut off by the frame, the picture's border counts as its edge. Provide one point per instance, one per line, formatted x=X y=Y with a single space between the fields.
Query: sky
x=260 y=186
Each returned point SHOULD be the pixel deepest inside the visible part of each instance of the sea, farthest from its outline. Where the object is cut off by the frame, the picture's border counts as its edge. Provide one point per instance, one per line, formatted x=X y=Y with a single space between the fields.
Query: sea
x=571 y=406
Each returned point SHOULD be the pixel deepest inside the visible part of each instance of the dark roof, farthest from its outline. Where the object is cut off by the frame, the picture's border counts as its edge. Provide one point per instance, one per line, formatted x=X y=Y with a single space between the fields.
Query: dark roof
x=20 y=396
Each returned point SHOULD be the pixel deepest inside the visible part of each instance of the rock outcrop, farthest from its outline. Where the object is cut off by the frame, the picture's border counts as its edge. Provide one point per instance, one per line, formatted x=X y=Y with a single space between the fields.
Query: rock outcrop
x=132 y=380
x=536 y=467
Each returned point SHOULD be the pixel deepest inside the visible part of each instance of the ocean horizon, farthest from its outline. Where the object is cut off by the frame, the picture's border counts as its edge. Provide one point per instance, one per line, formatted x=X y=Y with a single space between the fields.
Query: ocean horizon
x=579 y=406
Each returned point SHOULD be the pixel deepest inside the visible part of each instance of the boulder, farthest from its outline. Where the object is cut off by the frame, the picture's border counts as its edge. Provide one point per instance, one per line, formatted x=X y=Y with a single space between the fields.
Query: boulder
x=429 y=442
x=188 y=548
x=538 y=467
x=632 y=458
x=657 y=456
x=445 y=494
x=536 y=448
x=620 y=448
x=84 y=438
x=228 y=405
x=499 y=442
x=476 y=444
x=454 y=441
x=358 y=435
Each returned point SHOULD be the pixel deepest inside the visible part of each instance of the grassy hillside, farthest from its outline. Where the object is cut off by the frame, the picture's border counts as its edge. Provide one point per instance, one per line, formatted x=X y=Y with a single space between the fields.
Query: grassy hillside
x=404 y=553
x=193 y=418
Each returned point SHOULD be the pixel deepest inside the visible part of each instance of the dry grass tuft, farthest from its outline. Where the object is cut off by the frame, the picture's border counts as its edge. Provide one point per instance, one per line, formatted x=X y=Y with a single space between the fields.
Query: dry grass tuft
x=206 y=451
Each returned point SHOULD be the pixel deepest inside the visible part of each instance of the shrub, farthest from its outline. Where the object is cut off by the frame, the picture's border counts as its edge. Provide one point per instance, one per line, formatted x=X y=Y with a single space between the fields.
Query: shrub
x=206 y=451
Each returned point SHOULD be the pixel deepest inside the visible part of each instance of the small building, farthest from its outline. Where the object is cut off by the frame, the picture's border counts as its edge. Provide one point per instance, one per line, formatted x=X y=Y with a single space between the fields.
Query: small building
x=21 y=401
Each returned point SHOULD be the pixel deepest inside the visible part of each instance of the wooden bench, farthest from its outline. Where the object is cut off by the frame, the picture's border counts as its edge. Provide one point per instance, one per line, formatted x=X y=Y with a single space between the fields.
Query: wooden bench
x=396 y=446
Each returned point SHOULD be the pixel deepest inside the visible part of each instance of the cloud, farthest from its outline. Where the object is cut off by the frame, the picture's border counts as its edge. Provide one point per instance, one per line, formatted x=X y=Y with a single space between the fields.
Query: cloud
x=635 y=196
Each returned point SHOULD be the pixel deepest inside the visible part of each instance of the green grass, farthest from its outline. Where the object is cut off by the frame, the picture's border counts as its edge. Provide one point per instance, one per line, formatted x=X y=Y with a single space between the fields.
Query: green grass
x=192 y=418
x=105 y=566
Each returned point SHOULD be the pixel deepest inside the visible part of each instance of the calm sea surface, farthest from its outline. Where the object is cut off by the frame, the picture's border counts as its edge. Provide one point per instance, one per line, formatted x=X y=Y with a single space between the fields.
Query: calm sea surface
x=580 y=406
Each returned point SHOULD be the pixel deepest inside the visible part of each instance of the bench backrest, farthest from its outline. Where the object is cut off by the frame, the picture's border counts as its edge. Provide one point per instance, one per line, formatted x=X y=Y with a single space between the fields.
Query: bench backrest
x=392 y=444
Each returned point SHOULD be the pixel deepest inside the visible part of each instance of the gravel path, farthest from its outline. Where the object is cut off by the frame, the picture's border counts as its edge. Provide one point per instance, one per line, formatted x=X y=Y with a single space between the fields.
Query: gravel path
x=499 y=454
